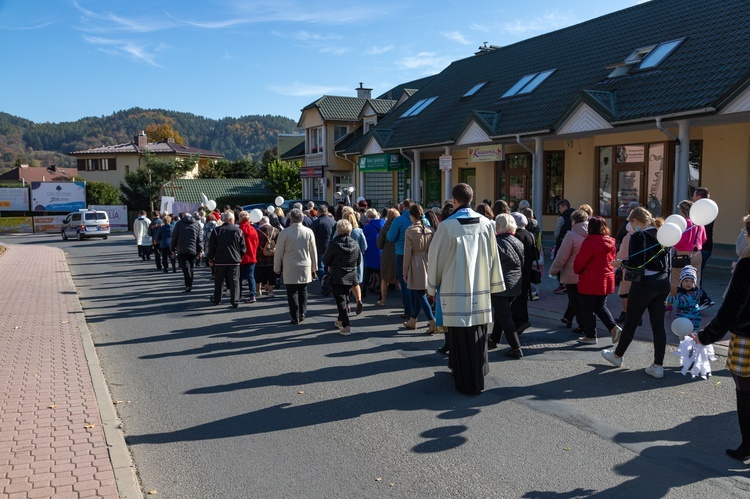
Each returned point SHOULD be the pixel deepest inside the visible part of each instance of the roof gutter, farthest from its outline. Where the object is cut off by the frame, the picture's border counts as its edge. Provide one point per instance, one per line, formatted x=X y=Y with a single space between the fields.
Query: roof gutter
x=705 y=110
x=424 y=146
x=666 y=132
x=546 y=131
x=518 y=141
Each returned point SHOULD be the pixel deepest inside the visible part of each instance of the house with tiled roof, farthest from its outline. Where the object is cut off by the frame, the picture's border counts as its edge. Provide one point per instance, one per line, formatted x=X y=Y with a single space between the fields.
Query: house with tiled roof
x=643 y=104
x=189 y=190
x=27 y=174
x=110 y=164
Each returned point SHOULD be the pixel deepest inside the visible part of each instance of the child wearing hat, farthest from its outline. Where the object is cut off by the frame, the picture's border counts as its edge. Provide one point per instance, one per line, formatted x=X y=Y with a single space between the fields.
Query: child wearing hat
x=690 y=299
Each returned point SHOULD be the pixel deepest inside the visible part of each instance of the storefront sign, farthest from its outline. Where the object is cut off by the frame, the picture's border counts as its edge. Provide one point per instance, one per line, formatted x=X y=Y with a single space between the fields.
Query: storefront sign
x=117 y=214
x=446 y=162
x=14 y=199
x=58 y=196
x=382 y=162
x=311 y=172
x=17 y=224
x=486 y=153
x=51 y=223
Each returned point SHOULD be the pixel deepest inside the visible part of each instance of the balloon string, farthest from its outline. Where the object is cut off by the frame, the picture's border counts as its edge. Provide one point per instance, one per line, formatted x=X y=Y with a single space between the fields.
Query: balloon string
x=652 y=247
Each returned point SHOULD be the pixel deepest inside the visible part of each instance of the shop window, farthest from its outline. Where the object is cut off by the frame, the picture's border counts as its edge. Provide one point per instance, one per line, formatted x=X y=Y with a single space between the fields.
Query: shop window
x=554 y=174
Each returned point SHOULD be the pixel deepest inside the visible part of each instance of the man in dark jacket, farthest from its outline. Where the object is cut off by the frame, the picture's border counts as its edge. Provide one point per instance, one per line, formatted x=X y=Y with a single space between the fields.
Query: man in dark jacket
x=323 y=228
x=225 y=250
x=187 y=242
x=153 y=230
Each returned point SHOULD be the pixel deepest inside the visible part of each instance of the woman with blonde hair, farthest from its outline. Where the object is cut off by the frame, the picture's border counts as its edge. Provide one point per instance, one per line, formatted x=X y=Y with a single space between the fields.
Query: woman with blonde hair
x=416 y=245
x=343 y=257
x=359 y=237
x=388 y=274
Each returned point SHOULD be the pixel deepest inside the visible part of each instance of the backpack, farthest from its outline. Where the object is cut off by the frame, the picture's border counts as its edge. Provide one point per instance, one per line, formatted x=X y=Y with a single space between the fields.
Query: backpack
x=269 y=249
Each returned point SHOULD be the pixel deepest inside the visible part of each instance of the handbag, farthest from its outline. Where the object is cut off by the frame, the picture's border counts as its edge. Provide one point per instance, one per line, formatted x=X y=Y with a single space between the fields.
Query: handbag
x=633 y=275
x=679 y=261
x=536 y=276
x=326 y=281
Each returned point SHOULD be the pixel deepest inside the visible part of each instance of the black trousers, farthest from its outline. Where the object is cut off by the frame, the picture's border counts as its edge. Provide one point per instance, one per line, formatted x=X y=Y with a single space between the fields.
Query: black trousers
x=296 y=295
x=166 y=257
x=594 y=306
x=574 y=305
x=231 y=275
x=186 y=261
x=520 y=307
x=341 y=295
x=157 y=256
x=467 y=357
x=646 y=295
x=503 y=320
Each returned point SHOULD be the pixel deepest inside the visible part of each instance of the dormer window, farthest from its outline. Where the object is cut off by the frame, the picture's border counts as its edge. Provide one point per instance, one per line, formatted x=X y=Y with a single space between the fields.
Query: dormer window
x=476 y=88
x=418 y=107
x=528 y=83
x=644 y=58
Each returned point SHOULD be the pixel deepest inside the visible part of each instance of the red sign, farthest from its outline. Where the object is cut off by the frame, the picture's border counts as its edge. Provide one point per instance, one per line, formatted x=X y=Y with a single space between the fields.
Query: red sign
x=311 y=172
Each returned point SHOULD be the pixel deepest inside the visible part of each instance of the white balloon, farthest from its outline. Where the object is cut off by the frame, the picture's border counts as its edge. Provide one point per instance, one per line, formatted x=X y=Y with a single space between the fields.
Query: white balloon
x=669 y=234
x=204 y=199
x=337 y=194
x=704 y=211
x=256 y=215
x=279 y=201
x=211 y=204
x=270 y=209
x=350 y=190
x=682 y=326
x=678 y=220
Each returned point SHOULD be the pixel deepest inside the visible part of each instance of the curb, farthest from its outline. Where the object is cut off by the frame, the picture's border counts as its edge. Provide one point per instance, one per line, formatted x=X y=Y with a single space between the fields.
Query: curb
x=122 y=462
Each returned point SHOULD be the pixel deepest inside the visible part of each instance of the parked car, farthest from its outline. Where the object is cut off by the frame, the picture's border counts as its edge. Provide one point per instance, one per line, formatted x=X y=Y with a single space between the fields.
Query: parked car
x=85 y=224
x=260 y=206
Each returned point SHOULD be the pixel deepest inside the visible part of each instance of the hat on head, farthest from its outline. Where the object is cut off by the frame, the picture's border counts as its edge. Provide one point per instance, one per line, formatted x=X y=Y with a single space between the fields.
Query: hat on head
x=520 y=218
x=689 y=272
x=360 y=199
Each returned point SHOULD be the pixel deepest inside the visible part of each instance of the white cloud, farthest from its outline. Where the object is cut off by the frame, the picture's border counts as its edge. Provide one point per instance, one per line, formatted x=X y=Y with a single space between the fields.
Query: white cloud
x=124 y=48
x=297 y=89
x=39 y=25
x=335 y=50
x=107 y=22
x=428 y=62
x=375 y=50
x=456 y=36
x=550 y=21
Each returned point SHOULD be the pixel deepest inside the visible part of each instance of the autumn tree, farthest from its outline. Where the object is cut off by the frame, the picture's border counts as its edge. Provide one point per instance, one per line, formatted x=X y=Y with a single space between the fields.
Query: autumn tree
x=158 y=133
x=283 y=179
x=102 y=193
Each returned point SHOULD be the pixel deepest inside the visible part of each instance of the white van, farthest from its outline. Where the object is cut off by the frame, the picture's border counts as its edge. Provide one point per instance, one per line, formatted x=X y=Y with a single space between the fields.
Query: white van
x=84 y=224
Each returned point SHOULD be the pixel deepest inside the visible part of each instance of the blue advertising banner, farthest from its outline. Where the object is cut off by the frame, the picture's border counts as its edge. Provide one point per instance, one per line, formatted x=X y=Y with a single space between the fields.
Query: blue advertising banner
x=58 y=196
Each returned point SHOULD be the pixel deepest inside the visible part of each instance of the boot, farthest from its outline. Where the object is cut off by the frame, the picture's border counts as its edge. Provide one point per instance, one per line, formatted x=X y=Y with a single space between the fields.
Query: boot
x=411 y=323
x=742 y=452
x=431 y=327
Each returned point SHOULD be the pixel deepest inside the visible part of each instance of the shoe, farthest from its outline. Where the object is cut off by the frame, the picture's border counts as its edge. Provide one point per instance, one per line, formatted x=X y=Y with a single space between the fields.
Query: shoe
x=534 y=296
x=411 y=323
x=235 y=305
x=523 y=327
x=740 y=453
x=610 y=357
x=568 y=323
x=293 y=322
x=616 y=332
x=560 y=290
x=345 y=331
x=577 y=330
x=338 y=324
x=188 y=289
x=491 y=344
x=166 y=271
x=431 y=327
x=621 y=318
x=443 y=349
x=655 y=371
x=359 y=308
x=381 y=303
x=513 y=354
x=301 y=318
x=214 y=302
x=251 y=300
x=587 y=340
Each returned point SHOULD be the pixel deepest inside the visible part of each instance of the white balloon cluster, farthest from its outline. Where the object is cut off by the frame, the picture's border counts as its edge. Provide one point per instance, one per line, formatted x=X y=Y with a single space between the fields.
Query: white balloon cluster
x=256 y=215
x=703 y=212
x=208 y=203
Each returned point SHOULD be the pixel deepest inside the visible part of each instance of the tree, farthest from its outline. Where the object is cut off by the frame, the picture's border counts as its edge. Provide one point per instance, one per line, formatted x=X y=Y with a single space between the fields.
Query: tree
x=142 y=187
x=283 y=179
x=102 y=193
x=223 y=168
x=158 y=133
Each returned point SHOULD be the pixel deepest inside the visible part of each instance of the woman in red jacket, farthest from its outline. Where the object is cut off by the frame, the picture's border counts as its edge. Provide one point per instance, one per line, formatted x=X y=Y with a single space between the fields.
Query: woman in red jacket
x=596 y=280
x=247 y=265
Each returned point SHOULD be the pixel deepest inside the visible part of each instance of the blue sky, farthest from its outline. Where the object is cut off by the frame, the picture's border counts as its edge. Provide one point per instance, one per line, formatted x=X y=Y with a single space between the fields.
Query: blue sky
x=64 y=60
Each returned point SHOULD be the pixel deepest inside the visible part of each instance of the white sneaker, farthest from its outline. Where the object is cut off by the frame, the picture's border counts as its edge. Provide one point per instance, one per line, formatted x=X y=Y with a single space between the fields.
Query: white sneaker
x=610 y=357
x=655 y=371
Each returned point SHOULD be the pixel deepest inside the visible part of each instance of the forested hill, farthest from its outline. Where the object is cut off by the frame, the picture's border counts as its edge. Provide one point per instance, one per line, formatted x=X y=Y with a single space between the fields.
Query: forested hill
x=43 y=144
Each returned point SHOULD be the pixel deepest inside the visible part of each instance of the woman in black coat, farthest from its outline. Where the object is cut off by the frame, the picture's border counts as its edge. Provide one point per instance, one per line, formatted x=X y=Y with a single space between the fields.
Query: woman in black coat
x=343 y=257
x=511 y=261
x=519 y=307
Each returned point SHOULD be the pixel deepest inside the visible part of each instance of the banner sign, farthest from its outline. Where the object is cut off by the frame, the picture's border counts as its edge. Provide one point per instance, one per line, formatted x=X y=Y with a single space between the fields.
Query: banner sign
x=14 y=199
x=486 y=153
x=185 y=207
x=118 y=216
x=58 y=196
x=17 y=224
x=382 y=162
x=51 y=223
x=446 y=162
x=311 y=172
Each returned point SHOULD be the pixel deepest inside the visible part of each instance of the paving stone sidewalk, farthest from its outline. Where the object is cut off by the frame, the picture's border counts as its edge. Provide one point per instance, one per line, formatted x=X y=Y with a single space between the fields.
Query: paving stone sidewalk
x=52 y=440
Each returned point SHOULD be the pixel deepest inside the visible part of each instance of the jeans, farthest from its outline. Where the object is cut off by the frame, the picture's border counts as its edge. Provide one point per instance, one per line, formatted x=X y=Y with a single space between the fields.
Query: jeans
x=296 y=295
x=186 y=261
x=594 y=306
x=503 y=320
x=405 y=292
x=247 y=273
x=419 y=301
x=341 y=295
x=646 y=295
x=231 y=275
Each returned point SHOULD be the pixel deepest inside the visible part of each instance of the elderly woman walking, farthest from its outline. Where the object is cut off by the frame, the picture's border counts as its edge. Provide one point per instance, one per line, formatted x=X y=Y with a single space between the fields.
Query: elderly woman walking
x=511 y=254
x=264 y=275
x=416 y=247
x=387 y=257
x=562 y=265
x=297 y=258
x=343 y=256
x=359 y=236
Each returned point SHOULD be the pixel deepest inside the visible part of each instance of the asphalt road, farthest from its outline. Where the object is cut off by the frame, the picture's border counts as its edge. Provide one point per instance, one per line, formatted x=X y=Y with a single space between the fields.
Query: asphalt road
x=222 y=402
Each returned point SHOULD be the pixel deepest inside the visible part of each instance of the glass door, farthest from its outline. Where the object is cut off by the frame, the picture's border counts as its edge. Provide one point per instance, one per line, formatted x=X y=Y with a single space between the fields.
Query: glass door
x=469 y=176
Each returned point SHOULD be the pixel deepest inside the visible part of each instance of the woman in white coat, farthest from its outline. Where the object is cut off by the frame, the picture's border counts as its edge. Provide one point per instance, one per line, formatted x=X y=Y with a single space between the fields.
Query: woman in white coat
x=297 y=258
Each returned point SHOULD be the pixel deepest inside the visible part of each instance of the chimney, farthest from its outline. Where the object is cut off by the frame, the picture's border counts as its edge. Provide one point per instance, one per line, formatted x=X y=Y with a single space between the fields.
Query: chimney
x=364 y=93
x=141 y=140
x=169 y=140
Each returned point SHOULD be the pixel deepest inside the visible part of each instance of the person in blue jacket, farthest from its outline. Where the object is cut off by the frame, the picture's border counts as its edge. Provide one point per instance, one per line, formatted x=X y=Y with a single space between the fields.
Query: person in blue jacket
x=163 y=237
x=372 y=253
x=397 y=234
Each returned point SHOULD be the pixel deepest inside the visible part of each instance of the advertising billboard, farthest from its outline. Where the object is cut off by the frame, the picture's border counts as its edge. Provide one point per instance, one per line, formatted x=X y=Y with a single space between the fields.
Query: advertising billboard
x=58 y=196
x=14 y=199
x=118 y=216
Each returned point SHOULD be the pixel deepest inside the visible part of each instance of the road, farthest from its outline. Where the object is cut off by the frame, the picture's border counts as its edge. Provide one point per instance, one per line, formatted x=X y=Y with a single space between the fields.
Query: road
x=222 y=402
